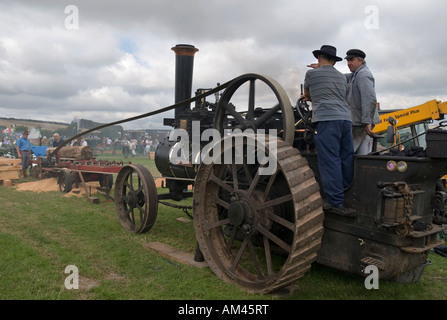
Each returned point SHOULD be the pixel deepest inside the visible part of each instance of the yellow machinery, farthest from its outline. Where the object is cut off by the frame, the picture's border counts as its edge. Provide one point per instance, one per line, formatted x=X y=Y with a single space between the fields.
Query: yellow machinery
x=430 y=110
x=406 y=128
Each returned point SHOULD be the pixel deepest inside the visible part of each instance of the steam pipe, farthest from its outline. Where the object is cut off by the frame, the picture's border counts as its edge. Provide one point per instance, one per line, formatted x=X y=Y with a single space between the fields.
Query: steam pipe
x=184 y=62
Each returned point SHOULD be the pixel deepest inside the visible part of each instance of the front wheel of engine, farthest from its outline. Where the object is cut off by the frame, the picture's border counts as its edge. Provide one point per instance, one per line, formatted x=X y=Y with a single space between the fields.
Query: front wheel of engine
x=136 y=199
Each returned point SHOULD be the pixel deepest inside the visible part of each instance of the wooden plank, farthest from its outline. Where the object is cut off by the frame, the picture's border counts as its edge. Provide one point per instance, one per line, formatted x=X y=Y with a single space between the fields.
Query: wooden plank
x=6 y=183
x=160 y=182
x=10 y=175
x=174 y=254
x=184 y=220
x=9 y=161
x=10 y=168
x=93 y=200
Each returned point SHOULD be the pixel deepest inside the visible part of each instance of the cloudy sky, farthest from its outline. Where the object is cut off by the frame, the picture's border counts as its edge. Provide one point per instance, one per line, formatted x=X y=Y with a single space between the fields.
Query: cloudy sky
x=111 y=60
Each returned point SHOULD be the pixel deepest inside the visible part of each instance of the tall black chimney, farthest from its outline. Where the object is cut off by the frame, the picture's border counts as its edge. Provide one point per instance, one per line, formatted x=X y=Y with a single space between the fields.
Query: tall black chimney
x=184 y=62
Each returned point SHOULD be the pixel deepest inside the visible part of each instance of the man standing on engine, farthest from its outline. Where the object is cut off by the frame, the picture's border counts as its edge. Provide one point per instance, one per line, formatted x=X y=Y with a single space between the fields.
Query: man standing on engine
x=326 y=87
x=361 y=98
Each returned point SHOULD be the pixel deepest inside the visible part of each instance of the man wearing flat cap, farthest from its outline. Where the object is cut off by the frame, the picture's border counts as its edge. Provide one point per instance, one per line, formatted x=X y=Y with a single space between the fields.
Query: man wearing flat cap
x=326 y=87
x=361 y=98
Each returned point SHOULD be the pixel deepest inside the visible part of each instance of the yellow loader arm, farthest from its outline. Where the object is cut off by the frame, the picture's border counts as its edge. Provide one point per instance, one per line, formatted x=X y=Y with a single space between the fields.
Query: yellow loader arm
x=430 y=110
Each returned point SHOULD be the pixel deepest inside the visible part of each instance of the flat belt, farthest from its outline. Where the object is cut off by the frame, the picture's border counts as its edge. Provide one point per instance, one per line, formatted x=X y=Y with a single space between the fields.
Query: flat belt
x=193 y=99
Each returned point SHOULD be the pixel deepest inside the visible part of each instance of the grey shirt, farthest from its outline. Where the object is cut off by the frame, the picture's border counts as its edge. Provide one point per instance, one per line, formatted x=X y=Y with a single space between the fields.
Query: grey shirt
x=361 y=97
x=327 y=87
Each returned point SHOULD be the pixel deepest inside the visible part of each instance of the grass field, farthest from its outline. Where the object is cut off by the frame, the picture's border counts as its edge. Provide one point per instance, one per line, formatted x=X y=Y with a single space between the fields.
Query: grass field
x=43 y=233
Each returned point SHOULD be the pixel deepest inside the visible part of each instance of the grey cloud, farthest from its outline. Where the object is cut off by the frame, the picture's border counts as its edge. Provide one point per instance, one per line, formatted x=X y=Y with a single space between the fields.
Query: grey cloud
x=119 y=62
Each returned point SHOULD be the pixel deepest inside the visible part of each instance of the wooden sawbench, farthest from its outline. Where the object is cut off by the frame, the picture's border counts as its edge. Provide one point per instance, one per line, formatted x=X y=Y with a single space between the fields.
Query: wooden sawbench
x=10 y=168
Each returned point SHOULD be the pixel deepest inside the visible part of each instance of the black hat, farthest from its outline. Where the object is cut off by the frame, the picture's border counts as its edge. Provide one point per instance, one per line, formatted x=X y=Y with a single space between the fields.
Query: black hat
x=355 y=53
x=327 y=50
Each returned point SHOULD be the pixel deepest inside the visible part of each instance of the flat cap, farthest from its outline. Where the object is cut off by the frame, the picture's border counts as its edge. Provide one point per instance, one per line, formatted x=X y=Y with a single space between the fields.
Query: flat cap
x=355 y=53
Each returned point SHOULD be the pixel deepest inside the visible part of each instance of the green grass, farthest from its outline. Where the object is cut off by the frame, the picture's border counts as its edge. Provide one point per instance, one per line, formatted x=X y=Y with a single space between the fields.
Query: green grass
x=42 y=233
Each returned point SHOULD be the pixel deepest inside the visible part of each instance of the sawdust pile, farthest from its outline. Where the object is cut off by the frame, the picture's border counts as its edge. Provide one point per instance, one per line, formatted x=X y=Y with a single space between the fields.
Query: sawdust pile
x=43 y=185
x=46 y=185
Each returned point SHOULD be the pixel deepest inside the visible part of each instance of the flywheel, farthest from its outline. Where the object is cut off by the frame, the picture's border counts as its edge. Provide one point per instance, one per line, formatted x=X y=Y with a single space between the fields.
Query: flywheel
x=259 y=219
x=246 y=91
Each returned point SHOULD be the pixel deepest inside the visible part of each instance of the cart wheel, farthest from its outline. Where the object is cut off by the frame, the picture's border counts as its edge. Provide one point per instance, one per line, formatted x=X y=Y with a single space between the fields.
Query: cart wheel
x=136 y=199
x=65 y=180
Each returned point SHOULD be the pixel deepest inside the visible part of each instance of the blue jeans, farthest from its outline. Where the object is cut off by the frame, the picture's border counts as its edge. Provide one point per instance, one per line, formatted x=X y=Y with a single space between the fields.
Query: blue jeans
x=335 y=155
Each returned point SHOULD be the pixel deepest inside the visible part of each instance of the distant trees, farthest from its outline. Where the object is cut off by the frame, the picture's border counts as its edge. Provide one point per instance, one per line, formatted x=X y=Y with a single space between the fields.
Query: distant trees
x=83 y=124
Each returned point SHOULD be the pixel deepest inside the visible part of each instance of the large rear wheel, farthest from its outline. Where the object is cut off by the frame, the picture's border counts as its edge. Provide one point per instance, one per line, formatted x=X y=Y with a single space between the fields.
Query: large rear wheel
x=259 y=229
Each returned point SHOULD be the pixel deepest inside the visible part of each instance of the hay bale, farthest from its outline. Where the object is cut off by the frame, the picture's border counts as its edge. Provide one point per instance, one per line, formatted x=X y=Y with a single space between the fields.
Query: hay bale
x=74 y=152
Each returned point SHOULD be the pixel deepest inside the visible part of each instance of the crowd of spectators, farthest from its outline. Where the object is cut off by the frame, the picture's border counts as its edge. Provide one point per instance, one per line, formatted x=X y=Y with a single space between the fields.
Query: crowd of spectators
x=7 y=141
x=128 y=146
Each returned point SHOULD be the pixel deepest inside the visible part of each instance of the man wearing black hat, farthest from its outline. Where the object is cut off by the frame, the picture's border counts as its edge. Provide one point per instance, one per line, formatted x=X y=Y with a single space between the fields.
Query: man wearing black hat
x=361 y=98
x=326 y=87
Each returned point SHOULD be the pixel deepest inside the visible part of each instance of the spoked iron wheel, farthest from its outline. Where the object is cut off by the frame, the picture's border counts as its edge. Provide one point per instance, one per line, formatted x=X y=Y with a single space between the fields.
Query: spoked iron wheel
x=136 y=199
x=227 y=117
x=261 y=231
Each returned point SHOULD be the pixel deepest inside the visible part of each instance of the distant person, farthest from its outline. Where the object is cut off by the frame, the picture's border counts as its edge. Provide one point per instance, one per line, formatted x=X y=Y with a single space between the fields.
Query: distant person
x=125 y=145
x=133 y=147
x=79 y=142
x=57 y=140
x=24 y=151
x=361 y=98
x=82 y=141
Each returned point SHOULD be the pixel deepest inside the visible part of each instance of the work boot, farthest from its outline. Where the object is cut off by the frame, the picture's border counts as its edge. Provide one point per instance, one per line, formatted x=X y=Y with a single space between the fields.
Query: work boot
x=24 y=173
x=345 y=212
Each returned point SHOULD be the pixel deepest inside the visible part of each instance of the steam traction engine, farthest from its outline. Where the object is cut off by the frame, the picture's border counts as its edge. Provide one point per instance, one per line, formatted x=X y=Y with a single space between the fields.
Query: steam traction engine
x=264 y=230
